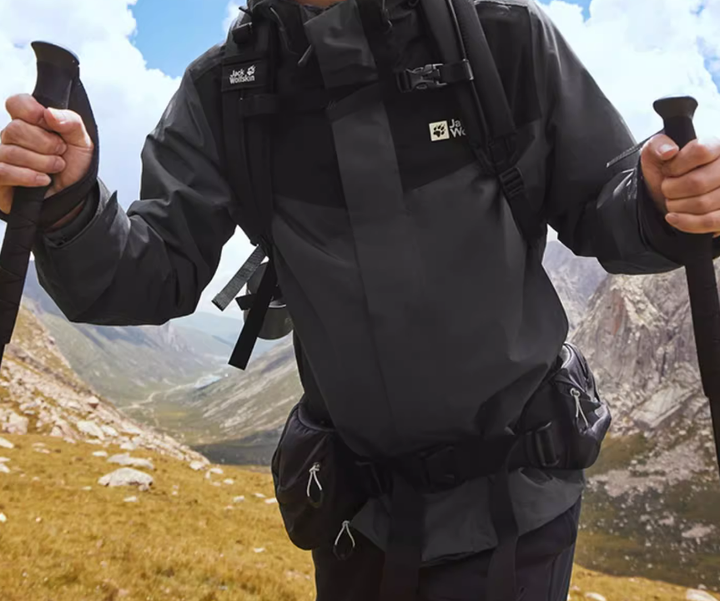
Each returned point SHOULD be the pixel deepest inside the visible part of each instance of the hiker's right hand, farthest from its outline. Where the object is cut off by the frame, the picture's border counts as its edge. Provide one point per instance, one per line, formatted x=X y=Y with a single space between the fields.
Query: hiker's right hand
x=39 y=142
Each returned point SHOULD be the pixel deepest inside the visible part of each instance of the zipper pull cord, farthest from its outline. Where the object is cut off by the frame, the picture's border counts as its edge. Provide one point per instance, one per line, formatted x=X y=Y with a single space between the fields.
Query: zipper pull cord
x=578 y=408
x=314 y=470
x=342 y=556
x=631 y=151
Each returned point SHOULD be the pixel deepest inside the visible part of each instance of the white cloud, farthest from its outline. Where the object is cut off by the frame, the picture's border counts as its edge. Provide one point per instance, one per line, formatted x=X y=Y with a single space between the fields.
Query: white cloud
x=128 y=98
x=642 y=50
x=233 y=8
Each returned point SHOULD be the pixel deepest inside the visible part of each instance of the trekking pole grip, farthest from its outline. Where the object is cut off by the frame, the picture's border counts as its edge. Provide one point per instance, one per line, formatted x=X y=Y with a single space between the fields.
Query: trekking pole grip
x=677 y=113
x=57 y=71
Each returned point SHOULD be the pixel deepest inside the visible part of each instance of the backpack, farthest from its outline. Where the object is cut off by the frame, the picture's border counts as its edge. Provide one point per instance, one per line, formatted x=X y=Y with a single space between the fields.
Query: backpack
x=320 y=479
x=248 y=101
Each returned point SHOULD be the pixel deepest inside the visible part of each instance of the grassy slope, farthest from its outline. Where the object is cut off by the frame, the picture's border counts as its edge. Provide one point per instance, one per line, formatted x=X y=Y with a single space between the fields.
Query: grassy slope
x=93 y=546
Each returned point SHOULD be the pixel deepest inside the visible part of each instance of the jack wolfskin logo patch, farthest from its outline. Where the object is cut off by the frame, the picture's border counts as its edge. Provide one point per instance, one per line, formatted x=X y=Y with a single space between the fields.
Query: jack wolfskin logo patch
x=442 y=130
x=243 y=75
x=439 y=131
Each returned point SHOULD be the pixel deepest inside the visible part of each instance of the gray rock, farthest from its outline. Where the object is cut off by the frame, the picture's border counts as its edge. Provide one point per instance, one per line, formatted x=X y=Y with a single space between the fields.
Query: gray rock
x=12 y=423
x=128 y=461
x=697 y=595
x=126 y=476
x=109 y=431
x=91 y=429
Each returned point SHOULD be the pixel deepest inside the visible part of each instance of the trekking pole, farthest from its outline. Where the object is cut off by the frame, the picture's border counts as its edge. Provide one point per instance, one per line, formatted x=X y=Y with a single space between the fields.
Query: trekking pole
x=57 y=71
x=677 y=113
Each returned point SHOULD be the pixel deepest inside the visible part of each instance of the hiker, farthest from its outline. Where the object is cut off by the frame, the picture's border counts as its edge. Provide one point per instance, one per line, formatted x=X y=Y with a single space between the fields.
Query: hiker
x=401 y=184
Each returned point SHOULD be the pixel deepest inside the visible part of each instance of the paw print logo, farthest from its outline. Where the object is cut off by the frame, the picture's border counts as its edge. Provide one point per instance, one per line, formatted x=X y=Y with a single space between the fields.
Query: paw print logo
x=439 y=131
x=251 y=71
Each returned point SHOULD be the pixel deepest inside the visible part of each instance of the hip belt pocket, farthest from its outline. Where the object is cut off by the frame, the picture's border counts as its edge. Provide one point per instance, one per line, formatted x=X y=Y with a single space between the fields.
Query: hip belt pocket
x=318 y=484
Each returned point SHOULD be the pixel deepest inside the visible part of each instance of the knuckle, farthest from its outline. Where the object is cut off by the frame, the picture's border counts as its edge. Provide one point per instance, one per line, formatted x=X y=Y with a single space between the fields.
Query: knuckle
x=696 y=183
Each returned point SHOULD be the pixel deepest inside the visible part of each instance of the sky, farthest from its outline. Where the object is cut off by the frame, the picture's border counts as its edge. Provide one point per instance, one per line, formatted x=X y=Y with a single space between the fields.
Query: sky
x=133 y=53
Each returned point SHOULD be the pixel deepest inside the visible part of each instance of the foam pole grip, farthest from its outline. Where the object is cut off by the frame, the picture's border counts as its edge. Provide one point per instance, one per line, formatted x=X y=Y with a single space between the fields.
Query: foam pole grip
x=57 y=71
x=677 y=114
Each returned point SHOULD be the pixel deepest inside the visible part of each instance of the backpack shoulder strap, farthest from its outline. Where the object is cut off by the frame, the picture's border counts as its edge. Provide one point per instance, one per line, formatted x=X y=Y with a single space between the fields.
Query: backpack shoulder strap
x=248 y=83
x=248 y=80
x=487 y=116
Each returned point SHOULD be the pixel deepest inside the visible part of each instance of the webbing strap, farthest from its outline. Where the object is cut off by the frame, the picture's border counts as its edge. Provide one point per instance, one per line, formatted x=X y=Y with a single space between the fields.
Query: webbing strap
x=501 y=580
x=403 y=556
x=256 y=317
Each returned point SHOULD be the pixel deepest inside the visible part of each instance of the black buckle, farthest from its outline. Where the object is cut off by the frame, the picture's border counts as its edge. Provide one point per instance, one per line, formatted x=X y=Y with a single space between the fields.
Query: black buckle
x=441 y=469
x=428 y=77
x=374 y=483
x=544 y=446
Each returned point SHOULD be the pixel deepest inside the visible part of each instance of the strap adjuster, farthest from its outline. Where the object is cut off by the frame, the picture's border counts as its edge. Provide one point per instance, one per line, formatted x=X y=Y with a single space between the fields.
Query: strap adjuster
x=544 y=446
x=512 y=182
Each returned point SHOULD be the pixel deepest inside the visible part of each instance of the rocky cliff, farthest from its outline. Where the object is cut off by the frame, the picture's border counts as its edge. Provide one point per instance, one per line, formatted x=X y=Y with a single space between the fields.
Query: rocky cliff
x=41 y=394
x=575 y=278
x=654 y=500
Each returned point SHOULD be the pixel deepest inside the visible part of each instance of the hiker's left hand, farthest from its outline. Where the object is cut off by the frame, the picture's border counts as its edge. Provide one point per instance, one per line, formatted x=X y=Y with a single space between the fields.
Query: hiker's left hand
x=685 y=183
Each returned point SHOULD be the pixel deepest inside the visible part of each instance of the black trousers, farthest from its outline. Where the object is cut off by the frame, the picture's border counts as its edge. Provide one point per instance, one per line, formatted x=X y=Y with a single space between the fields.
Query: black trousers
x=544 y=567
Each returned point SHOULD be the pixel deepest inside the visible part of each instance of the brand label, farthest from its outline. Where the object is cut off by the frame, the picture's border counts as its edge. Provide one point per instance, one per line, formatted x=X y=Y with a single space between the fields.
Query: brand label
x=444 y=130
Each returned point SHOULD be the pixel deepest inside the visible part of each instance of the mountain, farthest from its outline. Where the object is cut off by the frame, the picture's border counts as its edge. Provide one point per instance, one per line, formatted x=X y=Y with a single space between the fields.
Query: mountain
x=128 y=364
x=232 y=405
x=653 y=505
x=225 y=329
x=40 y=394
x=575 y=278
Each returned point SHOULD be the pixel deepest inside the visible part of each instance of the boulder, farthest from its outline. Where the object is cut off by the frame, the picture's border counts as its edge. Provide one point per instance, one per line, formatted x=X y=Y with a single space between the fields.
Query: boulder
x=6 y=444
x=62 y=429
x=197 y=465
x=4 y=460
x=128 y=461
x=100 y=454
x=130 y=499
x=214 y=470
x=109 y=431
x=595 y=597
x=91 y=429
x=12 y=423
x=696 y=595
x=126 y=476
x=4 y=469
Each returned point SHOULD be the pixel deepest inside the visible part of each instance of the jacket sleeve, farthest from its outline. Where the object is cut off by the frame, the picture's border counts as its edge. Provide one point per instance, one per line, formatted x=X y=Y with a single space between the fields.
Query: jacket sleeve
x=597 y=212
x=152 y=263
